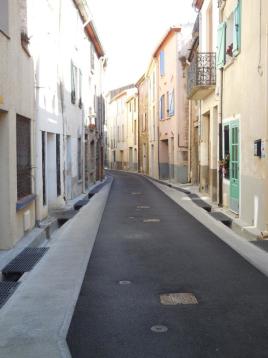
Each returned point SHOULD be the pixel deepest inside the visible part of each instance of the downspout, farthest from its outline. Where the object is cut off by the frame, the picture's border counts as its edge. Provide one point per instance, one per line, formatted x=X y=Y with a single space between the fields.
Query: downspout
x=220 y=140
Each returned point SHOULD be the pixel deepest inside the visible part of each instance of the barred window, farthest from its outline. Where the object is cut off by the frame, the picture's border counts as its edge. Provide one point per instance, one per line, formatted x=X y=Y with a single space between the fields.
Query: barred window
x=24 y=180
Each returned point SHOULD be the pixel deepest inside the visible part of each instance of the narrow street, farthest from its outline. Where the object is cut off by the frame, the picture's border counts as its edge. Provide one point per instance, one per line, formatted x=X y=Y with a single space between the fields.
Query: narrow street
x=147 y=239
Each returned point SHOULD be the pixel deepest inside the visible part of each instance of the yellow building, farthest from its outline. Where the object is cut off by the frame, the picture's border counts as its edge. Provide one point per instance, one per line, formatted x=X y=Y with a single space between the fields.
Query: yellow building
x=132 y=132
x=151 y=76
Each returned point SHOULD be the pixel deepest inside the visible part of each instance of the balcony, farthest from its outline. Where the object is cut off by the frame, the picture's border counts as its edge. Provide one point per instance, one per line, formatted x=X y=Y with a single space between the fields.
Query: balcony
x=201 y=75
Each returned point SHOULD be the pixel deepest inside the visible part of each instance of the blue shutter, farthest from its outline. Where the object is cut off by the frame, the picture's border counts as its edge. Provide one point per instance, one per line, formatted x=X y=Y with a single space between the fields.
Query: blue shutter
x=221 y=44
x=237 y=30
x=162 y=63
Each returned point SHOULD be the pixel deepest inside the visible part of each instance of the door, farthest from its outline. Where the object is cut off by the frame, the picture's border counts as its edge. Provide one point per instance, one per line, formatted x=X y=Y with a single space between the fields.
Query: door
x=234 y=166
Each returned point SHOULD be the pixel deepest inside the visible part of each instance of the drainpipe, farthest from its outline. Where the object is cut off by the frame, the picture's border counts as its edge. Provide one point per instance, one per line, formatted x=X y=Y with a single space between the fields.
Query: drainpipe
x=220 y=140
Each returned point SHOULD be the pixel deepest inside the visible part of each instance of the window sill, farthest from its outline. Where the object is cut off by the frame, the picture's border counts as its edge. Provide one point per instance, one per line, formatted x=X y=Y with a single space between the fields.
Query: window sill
x=230 y=62
x=24 y=202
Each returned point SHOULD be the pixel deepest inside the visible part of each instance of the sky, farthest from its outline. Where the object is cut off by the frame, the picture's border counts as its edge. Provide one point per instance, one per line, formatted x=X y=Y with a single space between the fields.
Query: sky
x=131 y=30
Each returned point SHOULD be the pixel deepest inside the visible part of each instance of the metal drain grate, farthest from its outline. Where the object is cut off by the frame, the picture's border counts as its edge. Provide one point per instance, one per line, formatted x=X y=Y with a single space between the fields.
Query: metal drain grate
x=25 y=261
x=6 y=290
x=172 y=299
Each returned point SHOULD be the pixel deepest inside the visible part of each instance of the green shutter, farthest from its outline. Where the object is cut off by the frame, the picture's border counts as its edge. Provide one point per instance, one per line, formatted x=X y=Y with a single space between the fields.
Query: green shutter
x=221 y=44
x=237 y=30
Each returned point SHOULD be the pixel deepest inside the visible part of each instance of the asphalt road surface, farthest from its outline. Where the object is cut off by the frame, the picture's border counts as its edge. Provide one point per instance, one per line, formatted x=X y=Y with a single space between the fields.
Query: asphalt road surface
x=171 y=252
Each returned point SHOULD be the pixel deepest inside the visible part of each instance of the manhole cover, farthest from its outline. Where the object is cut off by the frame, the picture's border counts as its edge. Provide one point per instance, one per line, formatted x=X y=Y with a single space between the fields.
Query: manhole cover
x=159 y=328
x=131 y=217
x=124 y=282
x=178 y=299
x=151 y=220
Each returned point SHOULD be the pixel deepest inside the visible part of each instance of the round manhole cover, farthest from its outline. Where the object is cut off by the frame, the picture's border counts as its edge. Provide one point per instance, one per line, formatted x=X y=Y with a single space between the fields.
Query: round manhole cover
x=159 y=329
x=124 y=282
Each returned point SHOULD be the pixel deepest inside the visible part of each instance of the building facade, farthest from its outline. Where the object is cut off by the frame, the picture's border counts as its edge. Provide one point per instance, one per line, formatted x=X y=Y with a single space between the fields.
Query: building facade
x=173 y=107
x=51 y=110
x=121 y=119
x=17 y=125
x=143 y=138
x=153 y=124
x=69 y=110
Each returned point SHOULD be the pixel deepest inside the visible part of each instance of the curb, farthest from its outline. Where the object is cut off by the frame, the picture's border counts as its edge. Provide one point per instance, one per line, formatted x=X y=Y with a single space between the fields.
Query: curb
x=35 y=320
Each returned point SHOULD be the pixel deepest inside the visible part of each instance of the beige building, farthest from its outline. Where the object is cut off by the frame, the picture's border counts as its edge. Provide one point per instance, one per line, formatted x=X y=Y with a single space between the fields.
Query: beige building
x=228 y=92
x=152 y=109
x=117 y=128
x=143 y=140
x=132 y=132
x=244 y=65
x=202 y=89
x=17 y=125
x=173 y=106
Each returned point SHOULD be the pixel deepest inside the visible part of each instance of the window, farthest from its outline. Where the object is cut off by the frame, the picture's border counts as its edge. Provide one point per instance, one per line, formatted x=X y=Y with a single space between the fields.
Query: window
x=79 y=159
x=167 y=104
x=24 y=179
x=58 y=164
x=229 y=37
x=171 y=103
x=144 y=122
x=162 y=63
x=73 y=83
x=162 y=107
x=80 y=89
x=4 y=16
x=92 y=53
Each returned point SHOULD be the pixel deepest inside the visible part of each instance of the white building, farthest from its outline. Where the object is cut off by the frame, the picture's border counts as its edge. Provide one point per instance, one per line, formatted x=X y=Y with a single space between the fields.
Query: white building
x=68 y=64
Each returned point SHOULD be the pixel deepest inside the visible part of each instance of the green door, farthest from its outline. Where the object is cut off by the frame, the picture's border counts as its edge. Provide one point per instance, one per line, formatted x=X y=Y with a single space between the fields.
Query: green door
x=234 y=166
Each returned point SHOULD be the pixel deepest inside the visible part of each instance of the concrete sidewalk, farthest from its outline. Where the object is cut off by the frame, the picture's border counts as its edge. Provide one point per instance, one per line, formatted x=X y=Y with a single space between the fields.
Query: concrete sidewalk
x=35 y=320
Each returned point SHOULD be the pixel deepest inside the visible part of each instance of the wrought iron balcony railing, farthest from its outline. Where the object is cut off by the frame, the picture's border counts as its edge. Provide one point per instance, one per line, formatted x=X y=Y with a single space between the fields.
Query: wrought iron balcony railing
x=201 y=74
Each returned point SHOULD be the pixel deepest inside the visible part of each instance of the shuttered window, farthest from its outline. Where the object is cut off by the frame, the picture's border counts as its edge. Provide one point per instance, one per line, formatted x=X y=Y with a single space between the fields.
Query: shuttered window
x=237 y=30
x=171 y=103
x=162 y=107
x=73 y=83
x=162 y=63
x=221 y=44
x=4 y=16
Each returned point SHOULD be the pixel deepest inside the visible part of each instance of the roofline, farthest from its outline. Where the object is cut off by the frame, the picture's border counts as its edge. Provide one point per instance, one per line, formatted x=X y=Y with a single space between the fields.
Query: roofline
x=121 y=94
x=170 y=31
x=140 y=80
x=89 y=26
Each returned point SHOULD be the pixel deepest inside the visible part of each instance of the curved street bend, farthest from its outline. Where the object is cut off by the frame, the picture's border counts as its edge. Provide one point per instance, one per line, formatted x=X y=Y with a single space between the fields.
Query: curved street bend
x=149 y=240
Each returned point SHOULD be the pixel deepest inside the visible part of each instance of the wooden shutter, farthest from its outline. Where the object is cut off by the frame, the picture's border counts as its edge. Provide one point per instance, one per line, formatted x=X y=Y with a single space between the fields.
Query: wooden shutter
x=237 y=30
x=221 y=44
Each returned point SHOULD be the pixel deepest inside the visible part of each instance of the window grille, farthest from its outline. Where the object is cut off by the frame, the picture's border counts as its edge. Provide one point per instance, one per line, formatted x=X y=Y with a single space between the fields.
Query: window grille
x=24 y=170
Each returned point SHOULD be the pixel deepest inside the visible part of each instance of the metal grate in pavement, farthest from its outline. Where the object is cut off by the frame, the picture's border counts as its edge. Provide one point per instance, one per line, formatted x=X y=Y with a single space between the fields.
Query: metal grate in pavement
x=6 y=290
x=182 y=298
x=25 y=261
